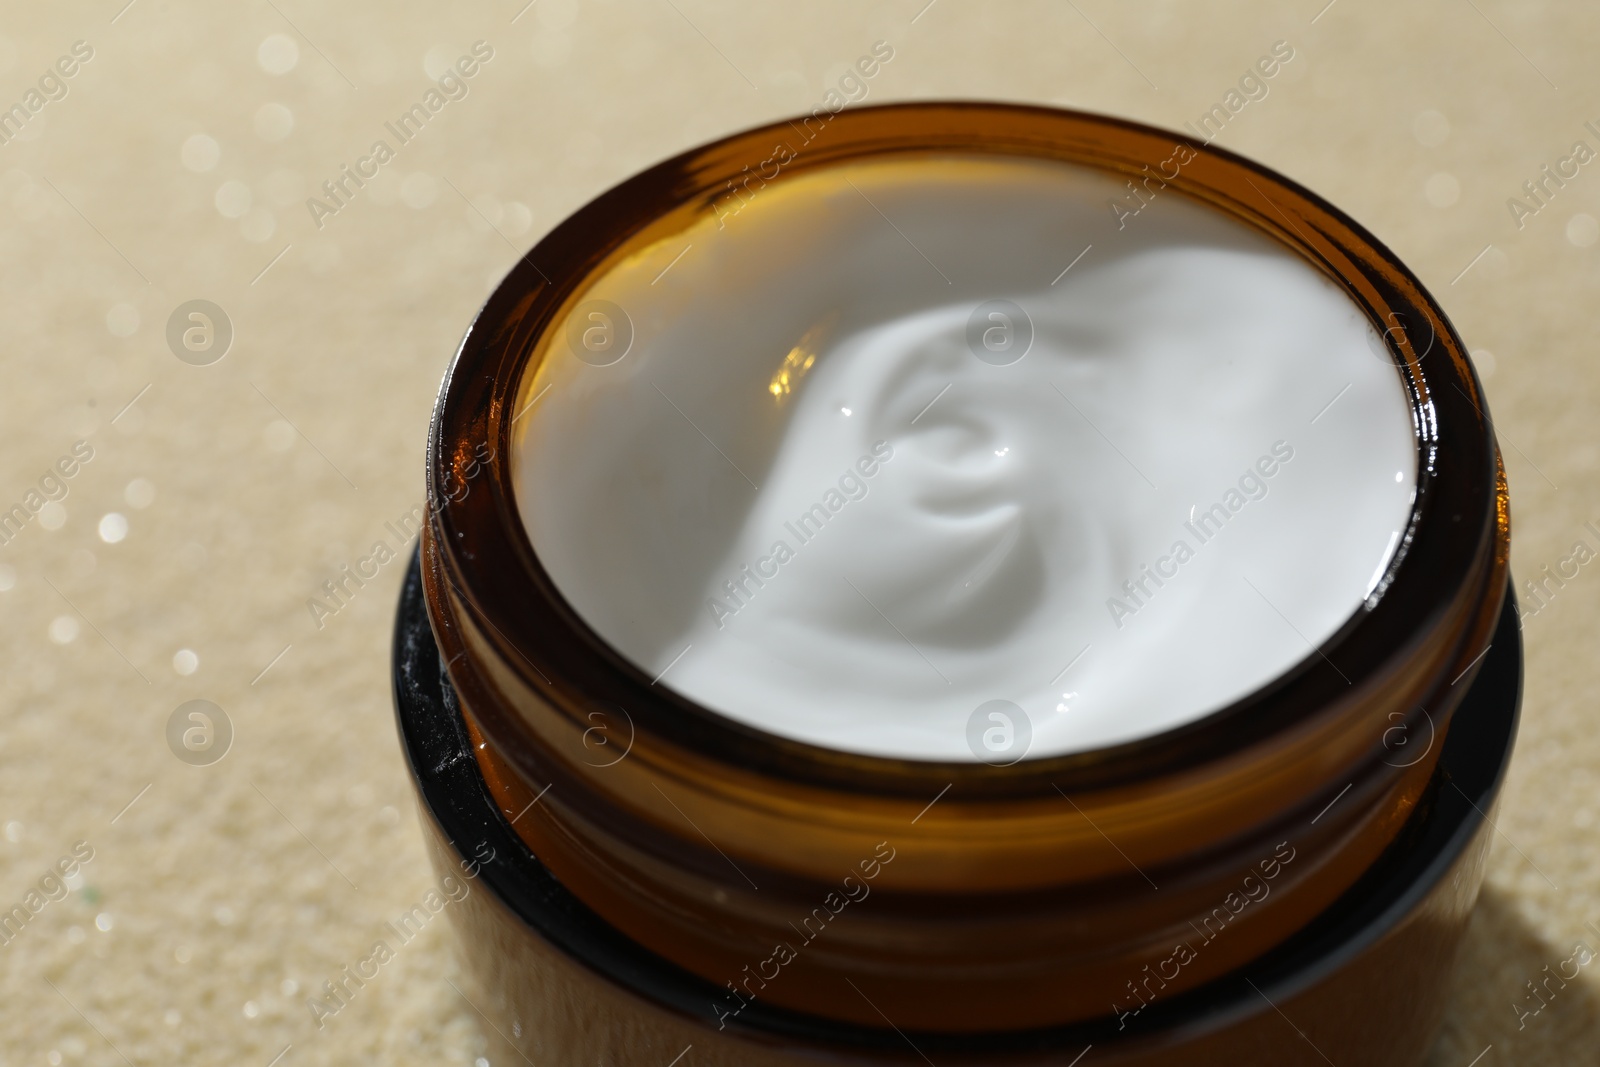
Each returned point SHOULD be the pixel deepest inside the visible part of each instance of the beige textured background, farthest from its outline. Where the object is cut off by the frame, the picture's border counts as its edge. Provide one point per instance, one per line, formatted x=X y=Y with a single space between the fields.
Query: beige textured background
x=225 y=893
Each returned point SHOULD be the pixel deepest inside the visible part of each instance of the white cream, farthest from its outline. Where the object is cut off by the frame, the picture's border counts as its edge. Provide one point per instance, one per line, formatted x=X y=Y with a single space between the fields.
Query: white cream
x=989 y=527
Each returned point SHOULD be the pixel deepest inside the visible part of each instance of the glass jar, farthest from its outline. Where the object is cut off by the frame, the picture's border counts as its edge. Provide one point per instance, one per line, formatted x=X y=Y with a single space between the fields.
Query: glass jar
x=955 y=898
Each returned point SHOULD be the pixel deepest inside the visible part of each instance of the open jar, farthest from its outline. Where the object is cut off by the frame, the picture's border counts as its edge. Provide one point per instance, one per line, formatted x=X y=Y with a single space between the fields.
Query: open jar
x=867 y=889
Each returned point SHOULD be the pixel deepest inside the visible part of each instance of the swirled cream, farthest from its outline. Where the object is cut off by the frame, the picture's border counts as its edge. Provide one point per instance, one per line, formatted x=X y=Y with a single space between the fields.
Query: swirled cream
x=900 y=440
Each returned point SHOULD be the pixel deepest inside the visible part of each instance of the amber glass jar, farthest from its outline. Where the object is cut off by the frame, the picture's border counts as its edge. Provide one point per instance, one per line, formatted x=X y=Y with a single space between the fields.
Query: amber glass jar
x=957 y=898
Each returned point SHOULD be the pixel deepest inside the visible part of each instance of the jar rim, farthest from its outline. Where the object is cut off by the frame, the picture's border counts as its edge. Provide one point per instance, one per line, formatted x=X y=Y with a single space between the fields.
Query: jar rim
x=491 y=562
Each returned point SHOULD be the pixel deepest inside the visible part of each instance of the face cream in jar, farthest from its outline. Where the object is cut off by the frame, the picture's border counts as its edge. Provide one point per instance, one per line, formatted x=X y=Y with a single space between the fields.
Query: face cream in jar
x=912 y=598
x=847 y=487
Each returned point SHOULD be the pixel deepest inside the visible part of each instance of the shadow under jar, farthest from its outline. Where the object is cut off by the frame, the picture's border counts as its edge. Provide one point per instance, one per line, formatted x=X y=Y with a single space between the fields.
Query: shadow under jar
x=946 y=898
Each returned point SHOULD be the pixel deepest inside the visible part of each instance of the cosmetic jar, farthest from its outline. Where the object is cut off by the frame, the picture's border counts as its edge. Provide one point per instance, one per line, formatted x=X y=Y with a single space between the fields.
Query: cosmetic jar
x=1281 y=879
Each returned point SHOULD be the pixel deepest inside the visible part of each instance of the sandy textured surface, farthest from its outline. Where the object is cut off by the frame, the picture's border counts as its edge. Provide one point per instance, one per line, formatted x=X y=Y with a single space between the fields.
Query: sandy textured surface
x=176 y=167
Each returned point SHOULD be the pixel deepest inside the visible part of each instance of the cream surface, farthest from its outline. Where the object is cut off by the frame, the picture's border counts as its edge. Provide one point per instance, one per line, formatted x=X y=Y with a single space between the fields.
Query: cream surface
x=812 y=476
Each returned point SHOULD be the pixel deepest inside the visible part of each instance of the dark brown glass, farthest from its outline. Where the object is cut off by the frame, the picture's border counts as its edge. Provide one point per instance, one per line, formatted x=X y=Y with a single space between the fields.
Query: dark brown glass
x=1024 y=896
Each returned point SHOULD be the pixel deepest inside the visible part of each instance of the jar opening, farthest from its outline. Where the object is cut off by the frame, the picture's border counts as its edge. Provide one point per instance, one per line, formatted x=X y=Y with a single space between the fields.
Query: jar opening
x=949 y=458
